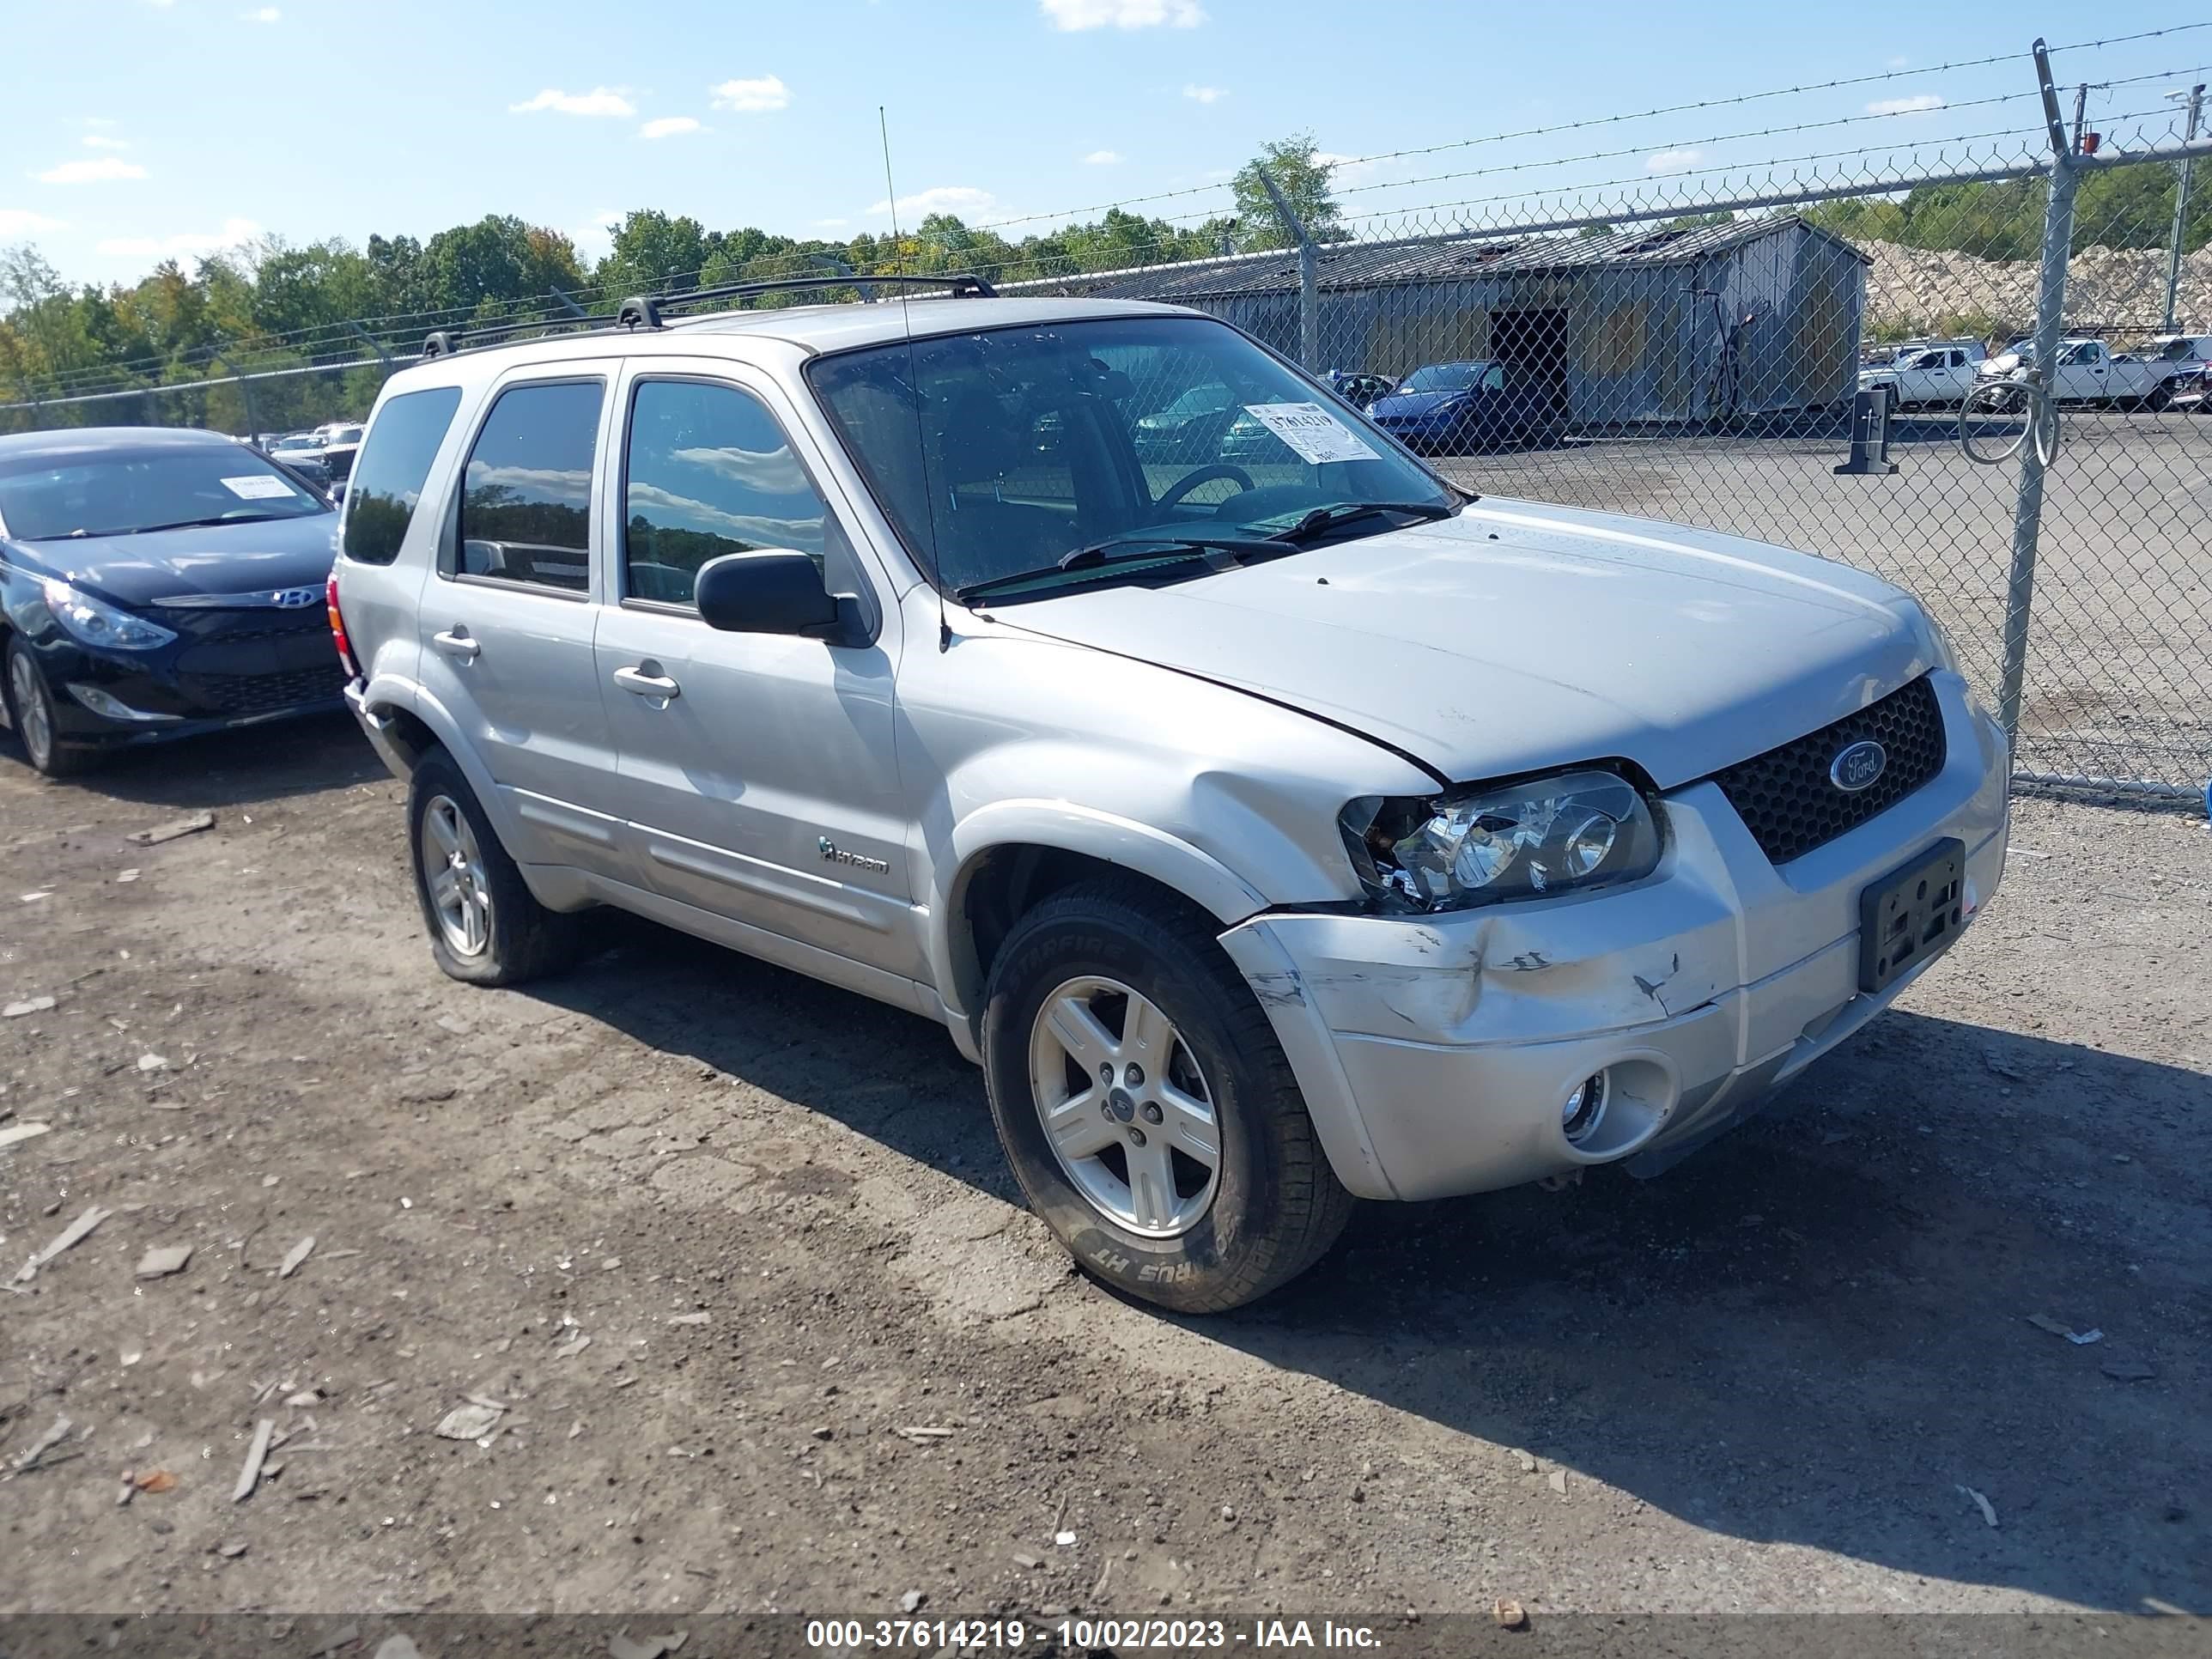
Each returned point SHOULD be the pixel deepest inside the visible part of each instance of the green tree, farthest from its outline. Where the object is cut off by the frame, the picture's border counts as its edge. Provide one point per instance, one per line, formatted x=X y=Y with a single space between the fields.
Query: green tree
x=1293 y=164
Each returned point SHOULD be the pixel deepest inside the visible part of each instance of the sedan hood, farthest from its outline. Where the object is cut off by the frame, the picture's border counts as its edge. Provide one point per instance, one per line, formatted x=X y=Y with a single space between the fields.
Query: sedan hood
x=1518 y=636
x=1412 y=405
x=212 y=560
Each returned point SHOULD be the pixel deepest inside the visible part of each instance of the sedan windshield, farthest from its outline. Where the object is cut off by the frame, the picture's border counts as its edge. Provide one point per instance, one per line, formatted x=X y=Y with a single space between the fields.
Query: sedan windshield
x=54 y=497
x=1443 y=377
x=1008 y=451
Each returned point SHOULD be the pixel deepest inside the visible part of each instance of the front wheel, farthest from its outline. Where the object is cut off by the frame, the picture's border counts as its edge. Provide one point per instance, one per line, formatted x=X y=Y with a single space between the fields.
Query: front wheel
x=31 y=712
x=1146 y=1107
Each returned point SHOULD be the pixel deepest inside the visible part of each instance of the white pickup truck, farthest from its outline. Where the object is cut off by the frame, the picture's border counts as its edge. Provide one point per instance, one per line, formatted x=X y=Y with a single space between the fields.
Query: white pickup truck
x=2088 y=372
x=1939 y=374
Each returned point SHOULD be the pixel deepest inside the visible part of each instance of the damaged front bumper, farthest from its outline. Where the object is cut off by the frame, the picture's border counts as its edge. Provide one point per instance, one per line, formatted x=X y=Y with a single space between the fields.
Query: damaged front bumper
x=1436 y=1052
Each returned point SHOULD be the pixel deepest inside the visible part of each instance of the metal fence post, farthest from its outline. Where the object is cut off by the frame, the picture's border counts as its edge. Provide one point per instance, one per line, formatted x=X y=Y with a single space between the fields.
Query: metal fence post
x=2181 y=207
x=1309 y=275
x=2050 y=308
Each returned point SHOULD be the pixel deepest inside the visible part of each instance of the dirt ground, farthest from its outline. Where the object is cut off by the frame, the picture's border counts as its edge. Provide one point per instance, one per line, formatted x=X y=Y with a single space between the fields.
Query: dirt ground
x=738 y=1255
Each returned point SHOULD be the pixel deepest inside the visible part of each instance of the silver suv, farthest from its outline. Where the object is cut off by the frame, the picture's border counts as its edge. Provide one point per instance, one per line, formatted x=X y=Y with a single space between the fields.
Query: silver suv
x=1274 y=831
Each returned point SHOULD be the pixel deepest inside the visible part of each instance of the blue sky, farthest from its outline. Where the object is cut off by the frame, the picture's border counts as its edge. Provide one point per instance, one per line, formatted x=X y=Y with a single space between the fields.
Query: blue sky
x=187 y=125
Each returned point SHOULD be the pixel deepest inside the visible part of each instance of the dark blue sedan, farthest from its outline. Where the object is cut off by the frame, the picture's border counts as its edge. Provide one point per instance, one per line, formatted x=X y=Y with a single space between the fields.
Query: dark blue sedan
x=154 y=584
x=1450 y=408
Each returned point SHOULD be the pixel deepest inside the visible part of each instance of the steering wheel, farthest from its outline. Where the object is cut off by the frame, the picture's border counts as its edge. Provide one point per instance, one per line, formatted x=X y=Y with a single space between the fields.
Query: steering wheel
x=1189 y=482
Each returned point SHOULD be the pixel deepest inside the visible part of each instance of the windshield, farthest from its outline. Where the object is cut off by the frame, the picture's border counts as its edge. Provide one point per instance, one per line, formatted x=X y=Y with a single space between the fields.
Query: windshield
x=1443 y=377
x=1031 y=443
x=293 y=446
x=48 y=498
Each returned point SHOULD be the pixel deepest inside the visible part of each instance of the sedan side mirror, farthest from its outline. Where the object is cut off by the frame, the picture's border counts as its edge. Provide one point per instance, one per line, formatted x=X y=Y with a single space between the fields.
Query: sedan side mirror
x=774 y=591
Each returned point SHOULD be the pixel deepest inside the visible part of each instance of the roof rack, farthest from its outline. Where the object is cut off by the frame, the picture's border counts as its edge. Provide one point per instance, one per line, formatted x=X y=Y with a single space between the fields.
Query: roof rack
x=644 y=310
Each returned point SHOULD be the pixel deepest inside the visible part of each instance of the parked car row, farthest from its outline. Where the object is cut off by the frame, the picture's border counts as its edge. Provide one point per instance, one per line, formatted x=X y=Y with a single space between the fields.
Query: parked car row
x=323 y=455
x=895 y=645
x=2087 y=371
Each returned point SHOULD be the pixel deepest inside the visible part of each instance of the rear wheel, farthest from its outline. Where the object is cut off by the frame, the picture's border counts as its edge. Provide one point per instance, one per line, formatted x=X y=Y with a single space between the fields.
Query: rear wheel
x=31 y=712
x=2159 y=396
x=1146 y=1106
x=485 y=927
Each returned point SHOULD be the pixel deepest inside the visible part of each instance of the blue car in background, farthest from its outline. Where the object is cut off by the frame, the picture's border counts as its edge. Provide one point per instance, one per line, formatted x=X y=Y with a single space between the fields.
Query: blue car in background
x=154 y=584
x=1452 y=408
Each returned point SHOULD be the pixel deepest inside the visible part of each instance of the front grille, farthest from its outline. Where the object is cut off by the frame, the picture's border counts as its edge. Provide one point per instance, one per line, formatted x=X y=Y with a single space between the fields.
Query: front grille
x=1786 y=799
x=265 y=694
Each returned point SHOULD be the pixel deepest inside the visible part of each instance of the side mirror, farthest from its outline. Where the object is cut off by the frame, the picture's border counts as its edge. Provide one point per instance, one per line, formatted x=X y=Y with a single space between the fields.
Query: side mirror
x=775 y=591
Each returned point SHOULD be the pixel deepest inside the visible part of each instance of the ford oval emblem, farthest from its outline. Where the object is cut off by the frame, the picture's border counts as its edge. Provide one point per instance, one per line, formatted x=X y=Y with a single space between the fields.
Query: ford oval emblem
x=1857 y=765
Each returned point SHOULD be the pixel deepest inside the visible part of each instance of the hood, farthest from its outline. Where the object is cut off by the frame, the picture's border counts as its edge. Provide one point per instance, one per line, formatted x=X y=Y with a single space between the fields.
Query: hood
x=1518 y=636
x=1407 y=405
x=208 y=559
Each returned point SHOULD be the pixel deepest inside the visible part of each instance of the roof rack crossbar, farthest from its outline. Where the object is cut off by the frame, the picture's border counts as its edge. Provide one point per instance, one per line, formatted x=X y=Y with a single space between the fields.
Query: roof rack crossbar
x=444 y=342
x=647 y=310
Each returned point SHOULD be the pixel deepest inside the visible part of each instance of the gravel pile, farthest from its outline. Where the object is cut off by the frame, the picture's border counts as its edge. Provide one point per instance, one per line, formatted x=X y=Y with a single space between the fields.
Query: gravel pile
x=2109 y=288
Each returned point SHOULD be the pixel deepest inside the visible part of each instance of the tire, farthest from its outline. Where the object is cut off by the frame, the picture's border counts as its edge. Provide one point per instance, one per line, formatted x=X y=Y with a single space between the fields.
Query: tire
x=23 y=679
x=508 y=936
x=2158 y=396
x=1271 y=1206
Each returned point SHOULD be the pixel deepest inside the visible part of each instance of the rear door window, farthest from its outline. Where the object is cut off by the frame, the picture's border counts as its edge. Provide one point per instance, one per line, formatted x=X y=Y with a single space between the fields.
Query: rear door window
x=527 y=495
x=394 y=465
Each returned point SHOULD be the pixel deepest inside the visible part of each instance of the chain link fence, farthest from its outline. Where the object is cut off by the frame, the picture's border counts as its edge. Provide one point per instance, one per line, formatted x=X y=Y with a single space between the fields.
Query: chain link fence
x=1976 y=369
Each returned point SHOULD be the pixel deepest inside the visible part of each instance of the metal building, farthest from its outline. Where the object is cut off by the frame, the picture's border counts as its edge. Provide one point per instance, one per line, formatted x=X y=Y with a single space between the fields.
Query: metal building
x=1756 y=316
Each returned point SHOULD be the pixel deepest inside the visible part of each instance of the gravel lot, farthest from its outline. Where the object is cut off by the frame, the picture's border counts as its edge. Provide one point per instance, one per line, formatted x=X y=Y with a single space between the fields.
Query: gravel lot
x=717 y=1238
x=2120 y=675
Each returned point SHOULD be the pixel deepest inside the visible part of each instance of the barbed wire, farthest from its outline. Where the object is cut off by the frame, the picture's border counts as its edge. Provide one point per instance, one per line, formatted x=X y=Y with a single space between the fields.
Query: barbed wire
x=1589 y=122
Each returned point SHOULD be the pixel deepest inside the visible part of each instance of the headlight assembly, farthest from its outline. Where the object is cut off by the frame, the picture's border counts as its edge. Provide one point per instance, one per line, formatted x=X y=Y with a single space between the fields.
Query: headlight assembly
x=1562 y=833
x=96 y=622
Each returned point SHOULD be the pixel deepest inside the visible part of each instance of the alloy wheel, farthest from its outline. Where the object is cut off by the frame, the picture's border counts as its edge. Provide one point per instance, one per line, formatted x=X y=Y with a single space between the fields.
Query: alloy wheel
x=34 y=722
x=453 y=872
x=1128 y=1109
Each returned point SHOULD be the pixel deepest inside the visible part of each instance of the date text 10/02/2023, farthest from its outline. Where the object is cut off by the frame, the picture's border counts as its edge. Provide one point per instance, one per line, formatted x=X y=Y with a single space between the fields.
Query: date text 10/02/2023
x=1086 y=1635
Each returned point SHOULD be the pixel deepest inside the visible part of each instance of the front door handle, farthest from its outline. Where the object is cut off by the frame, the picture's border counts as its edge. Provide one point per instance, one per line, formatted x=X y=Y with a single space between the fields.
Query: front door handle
x=456 y=643
x=637 y=682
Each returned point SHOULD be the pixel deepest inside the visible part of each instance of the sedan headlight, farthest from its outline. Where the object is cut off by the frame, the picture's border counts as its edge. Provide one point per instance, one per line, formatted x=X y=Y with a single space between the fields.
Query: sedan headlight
x=96 y=622
x=1562 y=833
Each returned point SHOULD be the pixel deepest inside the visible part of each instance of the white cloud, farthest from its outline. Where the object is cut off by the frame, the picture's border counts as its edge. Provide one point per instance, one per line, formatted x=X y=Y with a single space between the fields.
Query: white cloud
x=668 y=126
x=1343 y=169
x=1911 y=105
x=599 y=101
x=93 y=170
x=1102 y=158
x=754 y=97
x=235 y=233
x=21 y=221
x=266 y=15
x=101 y=140
x=1899 y=61
x=961 y=201
x=595 y=237
x=830 y=224
x=1674 y=161
x=1077 y=15
x=1206 y=95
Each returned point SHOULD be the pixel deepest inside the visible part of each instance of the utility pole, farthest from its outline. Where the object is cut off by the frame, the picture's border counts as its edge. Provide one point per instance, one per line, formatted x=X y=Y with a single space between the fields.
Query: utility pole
x=2180 y=205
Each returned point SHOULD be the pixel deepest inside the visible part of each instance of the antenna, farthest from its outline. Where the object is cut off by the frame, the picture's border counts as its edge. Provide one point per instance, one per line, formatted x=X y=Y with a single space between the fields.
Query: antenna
x=914 y=380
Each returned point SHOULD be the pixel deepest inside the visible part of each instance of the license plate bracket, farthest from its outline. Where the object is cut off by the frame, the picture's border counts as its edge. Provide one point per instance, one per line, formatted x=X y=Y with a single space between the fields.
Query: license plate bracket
x=1912 y=914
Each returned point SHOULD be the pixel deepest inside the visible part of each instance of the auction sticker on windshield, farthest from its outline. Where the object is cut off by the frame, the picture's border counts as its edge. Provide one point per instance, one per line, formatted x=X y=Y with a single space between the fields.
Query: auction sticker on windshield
x=258 y=486
x=1316 y=435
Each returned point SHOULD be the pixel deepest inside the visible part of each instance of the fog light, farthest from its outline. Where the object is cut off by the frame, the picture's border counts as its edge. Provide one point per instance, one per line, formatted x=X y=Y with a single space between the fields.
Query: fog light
x=113 y=708
x=1580 y=1112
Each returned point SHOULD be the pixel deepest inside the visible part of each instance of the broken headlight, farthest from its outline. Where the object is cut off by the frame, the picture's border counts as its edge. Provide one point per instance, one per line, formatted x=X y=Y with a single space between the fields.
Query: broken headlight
x=1486 y=846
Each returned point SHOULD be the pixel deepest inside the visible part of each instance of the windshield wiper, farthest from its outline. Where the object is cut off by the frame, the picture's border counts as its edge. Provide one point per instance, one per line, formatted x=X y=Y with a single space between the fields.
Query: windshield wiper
x=202 y=524
x=1329 y=518
x=1152 y=551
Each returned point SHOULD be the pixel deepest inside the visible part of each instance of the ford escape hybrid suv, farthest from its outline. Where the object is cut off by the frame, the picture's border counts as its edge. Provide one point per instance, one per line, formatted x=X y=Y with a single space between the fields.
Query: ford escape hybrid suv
x=1274 y=831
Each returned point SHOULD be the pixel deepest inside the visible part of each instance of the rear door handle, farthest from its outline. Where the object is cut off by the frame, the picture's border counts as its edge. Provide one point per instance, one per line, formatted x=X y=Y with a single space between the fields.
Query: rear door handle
x=456 y=643
x=637 y=682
